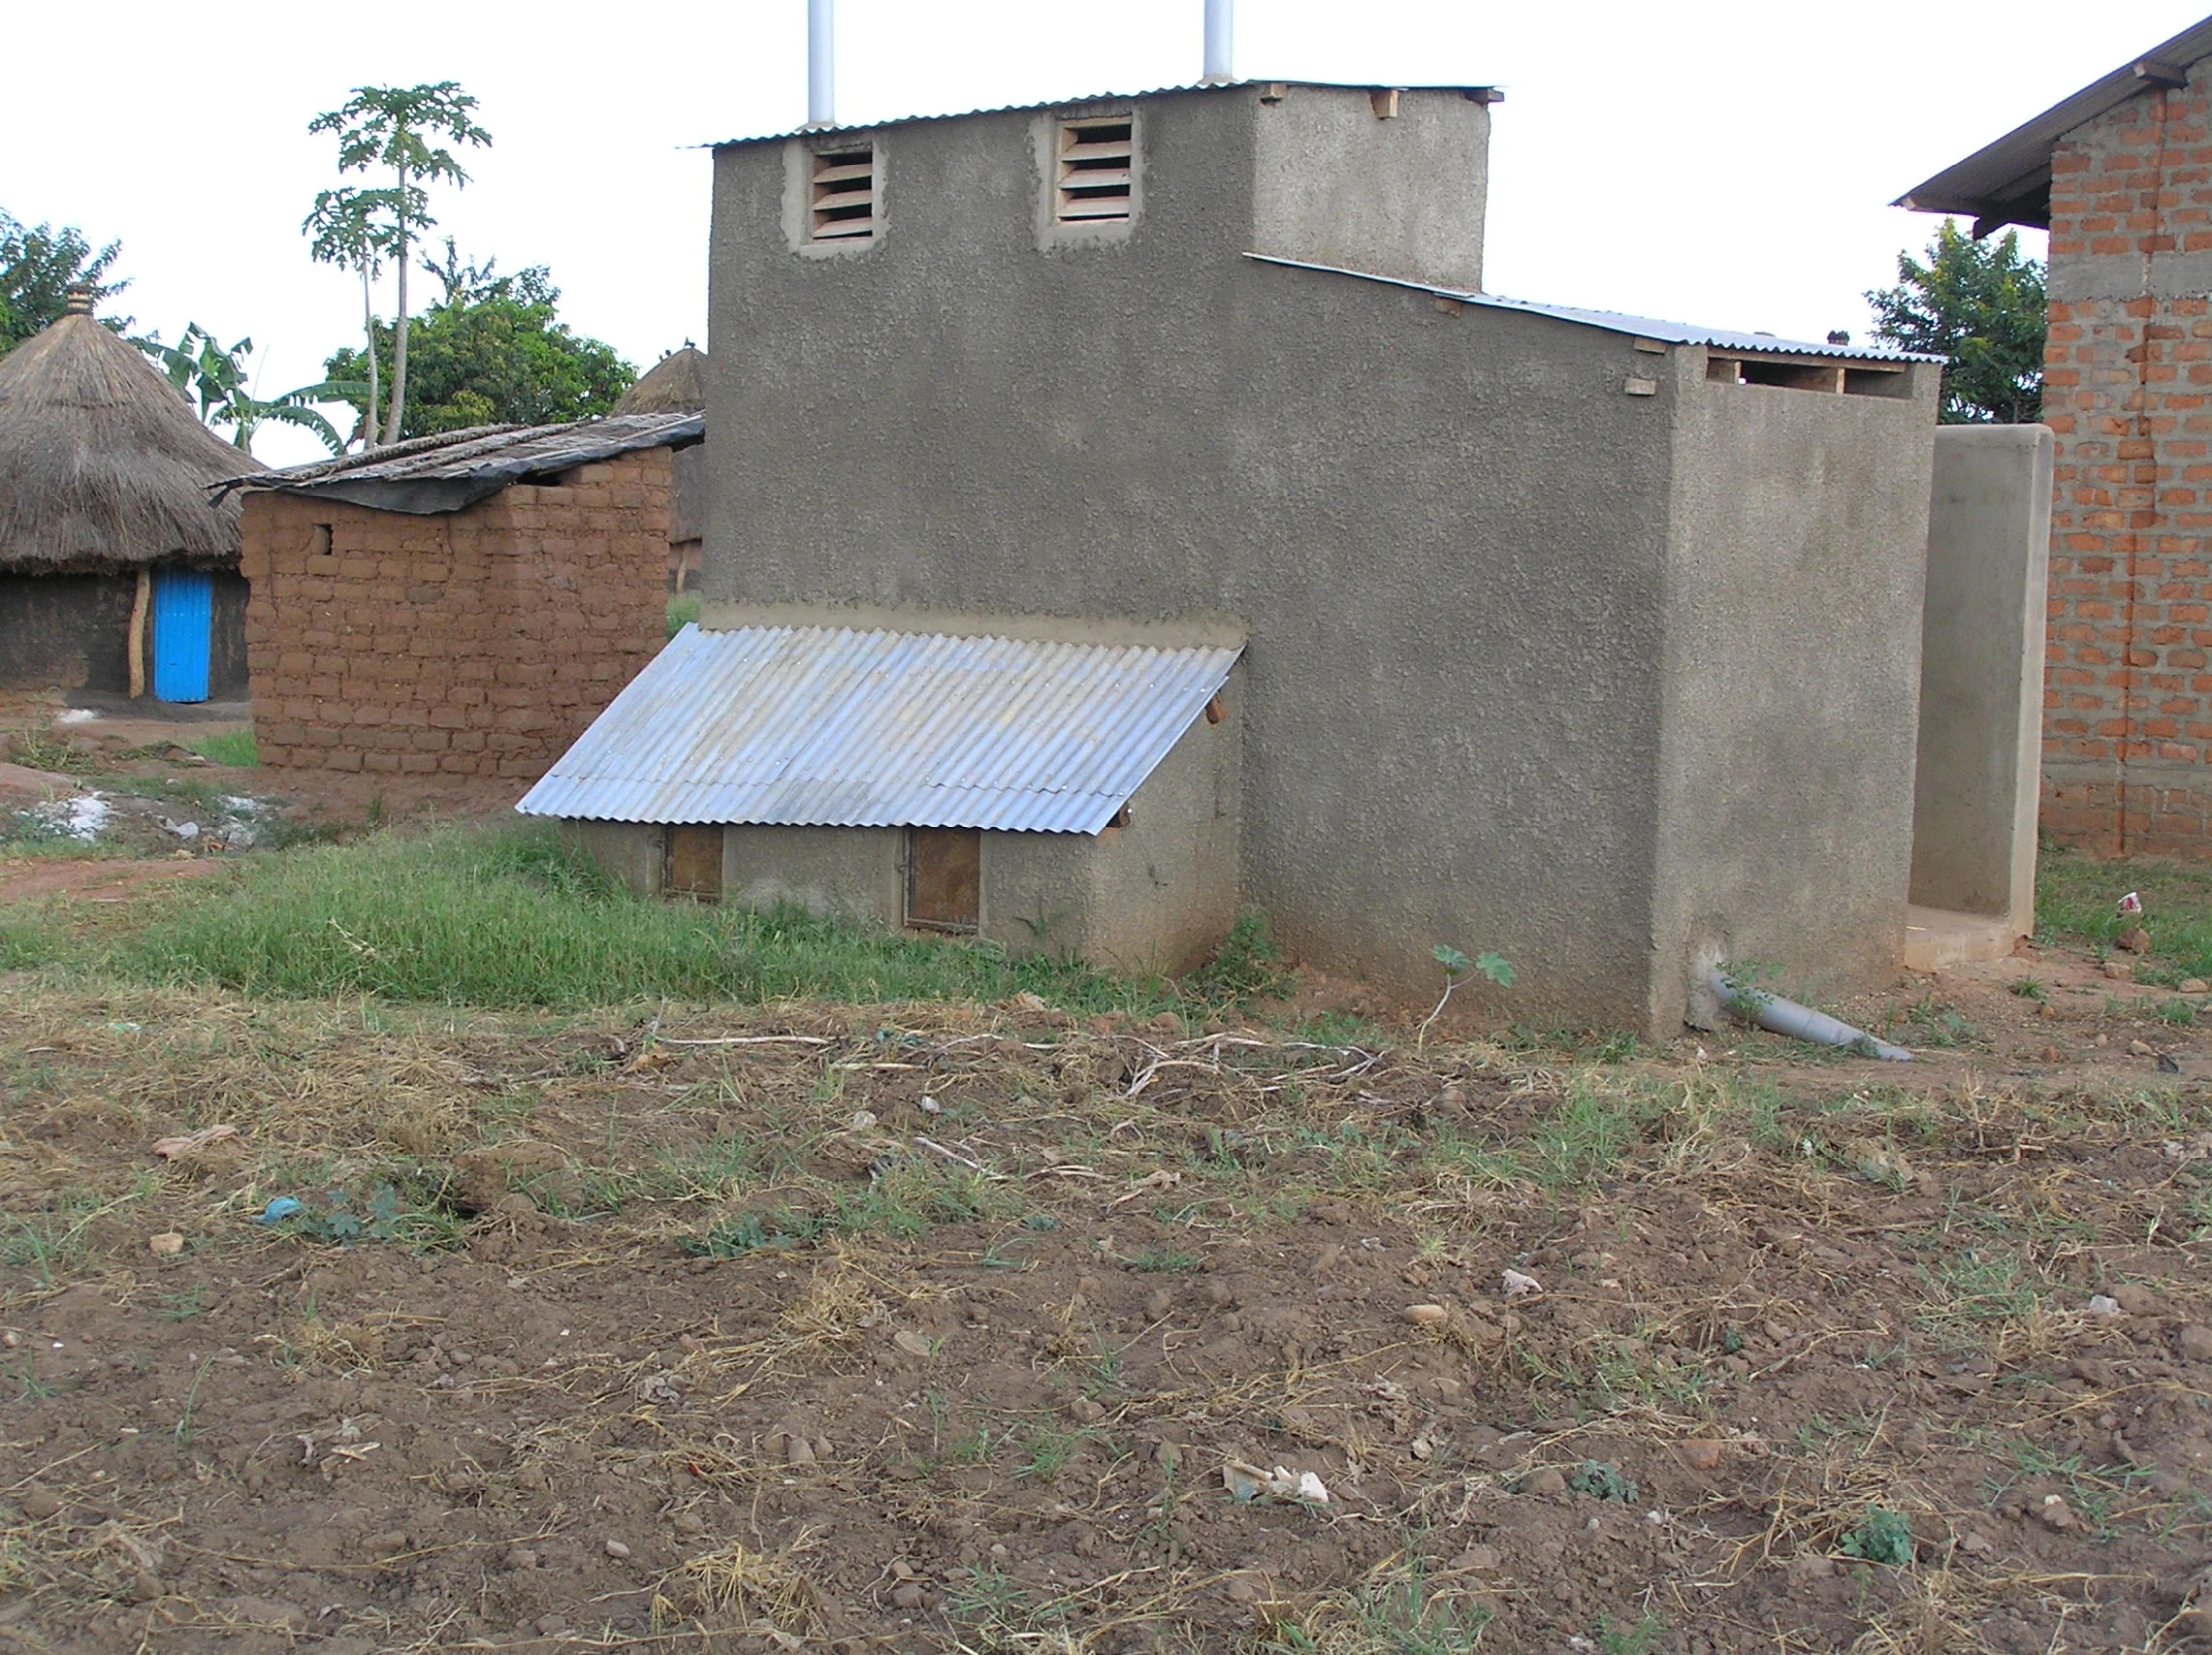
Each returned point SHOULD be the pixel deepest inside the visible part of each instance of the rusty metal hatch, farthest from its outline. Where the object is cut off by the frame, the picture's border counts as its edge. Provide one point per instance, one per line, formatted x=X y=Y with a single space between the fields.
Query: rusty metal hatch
x=944 y=879
x=690 y=861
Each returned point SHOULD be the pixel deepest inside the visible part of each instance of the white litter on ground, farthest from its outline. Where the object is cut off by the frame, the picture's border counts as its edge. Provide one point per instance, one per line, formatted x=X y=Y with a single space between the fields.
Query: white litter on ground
x=80 y=817
x=75 y=715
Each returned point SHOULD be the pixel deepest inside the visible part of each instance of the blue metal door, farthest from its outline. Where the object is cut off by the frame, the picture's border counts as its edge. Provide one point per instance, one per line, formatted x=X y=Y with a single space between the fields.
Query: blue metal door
x=183 y=632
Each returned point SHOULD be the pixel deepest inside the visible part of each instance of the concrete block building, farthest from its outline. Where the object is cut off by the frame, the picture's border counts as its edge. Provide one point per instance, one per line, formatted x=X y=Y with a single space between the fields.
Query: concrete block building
x=2121 y=174
x=464 y=603
x=1583 y=638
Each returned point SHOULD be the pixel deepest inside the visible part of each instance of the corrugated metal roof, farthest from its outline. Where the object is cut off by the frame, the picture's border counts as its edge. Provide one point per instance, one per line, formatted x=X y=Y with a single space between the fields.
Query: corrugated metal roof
x=822 y=727
x=445 y=471
x=1482 y=94
x=2008 y=181
x=1614 y=321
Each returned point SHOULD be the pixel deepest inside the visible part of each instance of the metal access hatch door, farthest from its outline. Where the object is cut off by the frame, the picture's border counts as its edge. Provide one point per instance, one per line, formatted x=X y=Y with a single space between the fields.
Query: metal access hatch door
x=183 y=628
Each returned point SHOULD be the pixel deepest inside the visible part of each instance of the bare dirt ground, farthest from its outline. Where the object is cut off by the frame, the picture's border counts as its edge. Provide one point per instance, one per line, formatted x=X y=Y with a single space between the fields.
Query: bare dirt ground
x=900 y=1328
x=136 y=757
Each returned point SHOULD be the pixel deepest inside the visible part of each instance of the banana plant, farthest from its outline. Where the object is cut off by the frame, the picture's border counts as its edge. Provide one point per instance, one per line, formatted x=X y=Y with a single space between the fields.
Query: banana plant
x=213 y=377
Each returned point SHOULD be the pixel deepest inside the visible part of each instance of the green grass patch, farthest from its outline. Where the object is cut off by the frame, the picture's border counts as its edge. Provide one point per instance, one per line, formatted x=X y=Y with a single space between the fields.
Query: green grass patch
x=683 y=609
x=517 y=918
x=229 y=747
x=25 y=942
x=2077 y=900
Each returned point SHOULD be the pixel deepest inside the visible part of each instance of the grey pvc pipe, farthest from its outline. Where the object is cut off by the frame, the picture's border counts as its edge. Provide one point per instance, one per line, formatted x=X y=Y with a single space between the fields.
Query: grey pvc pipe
x=1220 y=40
x=1772 y=1012
x=822 y=62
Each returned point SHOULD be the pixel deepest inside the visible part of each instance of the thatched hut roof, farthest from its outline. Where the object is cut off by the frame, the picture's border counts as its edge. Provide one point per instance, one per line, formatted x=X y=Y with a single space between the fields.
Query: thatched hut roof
x=677 y=384
x=102 y=467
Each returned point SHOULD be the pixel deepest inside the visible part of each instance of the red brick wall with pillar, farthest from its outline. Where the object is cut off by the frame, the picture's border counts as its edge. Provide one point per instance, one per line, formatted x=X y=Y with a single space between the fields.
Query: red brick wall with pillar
x=480 y=642
x=2127 y=388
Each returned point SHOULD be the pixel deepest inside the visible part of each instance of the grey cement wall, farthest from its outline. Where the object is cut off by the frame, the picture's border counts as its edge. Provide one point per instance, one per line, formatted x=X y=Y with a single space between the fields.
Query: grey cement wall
x=1447 y=531
x=1792 y=680
x=850 y=873
x=626 y=851
x=1156 y=894
x=1405 y=197
x=1980 y=673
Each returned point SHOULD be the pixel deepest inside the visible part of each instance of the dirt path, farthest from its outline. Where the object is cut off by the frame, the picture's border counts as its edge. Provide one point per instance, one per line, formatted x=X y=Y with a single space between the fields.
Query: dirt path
x=93 y=880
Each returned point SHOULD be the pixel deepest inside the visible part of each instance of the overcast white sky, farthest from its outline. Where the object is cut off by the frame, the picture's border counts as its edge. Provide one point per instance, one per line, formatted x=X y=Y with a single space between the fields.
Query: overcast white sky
x=1725 y=161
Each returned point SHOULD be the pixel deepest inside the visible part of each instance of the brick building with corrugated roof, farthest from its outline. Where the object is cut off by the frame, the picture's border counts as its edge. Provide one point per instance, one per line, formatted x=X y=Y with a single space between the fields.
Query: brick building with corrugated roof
x=2121 y=174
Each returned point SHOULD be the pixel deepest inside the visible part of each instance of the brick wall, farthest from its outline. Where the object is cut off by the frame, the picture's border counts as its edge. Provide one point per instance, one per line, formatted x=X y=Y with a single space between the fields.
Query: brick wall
x=2127 y=374
x=480 y=642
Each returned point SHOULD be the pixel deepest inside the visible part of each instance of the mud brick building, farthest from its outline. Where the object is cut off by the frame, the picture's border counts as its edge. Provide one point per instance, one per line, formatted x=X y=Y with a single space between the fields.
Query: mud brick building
x=466 y=603
x=2120 y=173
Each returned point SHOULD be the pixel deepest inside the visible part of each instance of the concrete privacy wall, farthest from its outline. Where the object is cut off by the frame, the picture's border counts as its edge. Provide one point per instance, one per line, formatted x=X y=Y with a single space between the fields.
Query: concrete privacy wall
x=2127 y=389
x=480 y=642
x=1982 y=672
x=1454 y=536
x=1790 y=688
x=1154 y=896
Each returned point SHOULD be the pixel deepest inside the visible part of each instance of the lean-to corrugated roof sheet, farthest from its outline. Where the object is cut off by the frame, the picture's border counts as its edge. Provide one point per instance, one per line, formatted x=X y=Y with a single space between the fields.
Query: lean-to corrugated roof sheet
x=448 y=471
x=822 y=727
x=1614 y=321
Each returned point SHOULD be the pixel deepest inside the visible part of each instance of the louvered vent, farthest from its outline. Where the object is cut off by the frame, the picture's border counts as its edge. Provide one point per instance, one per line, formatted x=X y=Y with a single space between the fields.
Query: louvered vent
x=845 y=195
x=1096 y=169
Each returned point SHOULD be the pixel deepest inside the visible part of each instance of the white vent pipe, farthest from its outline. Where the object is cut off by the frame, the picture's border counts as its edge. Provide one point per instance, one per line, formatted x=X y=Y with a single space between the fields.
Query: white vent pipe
x=822 y=62
x=1220 y=41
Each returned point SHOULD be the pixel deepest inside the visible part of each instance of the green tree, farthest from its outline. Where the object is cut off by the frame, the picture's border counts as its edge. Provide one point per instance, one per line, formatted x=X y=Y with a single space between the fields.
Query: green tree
x=394 y=127
x=355 y=229
x=493 y=351
x=38 y=266
x=1980 y=306
x=213 y=377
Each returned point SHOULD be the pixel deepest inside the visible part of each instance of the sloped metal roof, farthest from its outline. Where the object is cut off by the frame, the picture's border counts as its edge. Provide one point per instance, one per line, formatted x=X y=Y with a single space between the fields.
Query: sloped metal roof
x=1614 y=321
x=428 y=476
x=2008 y=179
x=822 y=727
x=1479 y=94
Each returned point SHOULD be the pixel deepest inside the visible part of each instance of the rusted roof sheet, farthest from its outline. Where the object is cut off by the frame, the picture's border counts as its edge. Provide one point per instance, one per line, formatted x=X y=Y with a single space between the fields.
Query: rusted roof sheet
x=1614 y=321
x=829 y=727
x=428 y=476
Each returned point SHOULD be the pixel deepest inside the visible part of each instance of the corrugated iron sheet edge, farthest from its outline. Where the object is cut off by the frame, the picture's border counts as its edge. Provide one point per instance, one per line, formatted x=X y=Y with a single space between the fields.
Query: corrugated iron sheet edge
x=1613 y=321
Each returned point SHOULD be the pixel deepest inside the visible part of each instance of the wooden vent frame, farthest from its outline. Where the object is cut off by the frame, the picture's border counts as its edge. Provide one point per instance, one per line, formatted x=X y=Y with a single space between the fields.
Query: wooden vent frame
x=1094 y=170
x=842 y=194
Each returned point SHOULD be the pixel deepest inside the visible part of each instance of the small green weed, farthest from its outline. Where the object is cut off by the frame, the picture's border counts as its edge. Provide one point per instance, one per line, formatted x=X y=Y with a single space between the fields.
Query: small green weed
x=1882 y=1537
x=683 y=609
x=2028 y=989
x=1643 y=1638
x=1602 y=1479
x=1247 y=966
x=1050 y=1448
x=751 y=1231
x=1165 y=1260
x=1404 y=1615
